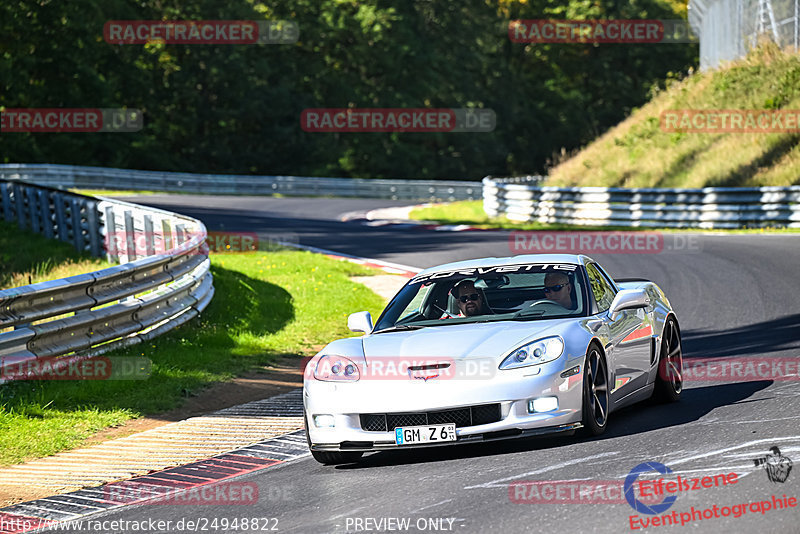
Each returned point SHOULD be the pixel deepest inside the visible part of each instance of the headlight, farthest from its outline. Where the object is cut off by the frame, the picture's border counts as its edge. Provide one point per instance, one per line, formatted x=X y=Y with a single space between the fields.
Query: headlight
x=534 y=353
x=336 y=369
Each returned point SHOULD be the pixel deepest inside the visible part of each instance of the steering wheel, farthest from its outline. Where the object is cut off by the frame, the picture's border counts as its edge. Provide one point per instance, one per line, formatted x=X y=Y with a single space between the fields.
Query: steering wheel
x=544 y=304
x=445 y=312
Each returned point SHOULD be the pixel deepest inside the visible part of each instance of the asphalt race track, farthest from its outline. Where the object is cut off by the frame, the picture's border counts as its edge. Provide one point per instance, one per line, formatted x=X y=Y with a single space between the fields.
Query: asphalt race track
x=736 y=297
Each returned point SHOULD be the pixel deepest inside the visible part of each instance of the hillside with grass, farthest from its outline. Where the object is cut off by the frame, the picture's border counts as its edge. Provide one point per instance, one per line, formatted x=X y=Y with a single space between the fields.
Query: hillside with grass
x=638 y=153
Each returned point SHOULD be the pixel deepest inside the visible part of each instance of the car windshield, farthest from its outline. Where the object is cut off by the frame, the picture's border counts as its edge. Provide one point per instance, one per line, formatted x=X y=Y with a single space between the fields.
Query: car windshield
x=526 y=292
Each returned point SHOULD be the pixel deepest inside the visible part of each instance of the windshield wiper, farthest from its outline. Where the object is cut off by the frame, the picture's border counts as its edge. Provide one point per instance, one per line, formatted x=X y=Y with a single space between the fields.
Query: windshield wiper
x=399 y=327
x=527 y=314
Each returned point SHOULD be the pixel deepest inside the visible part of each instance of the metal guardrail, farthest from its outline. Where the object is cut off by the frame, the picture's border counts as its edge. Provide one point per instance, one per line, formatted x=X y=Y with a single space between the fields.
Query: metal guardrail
x=710 y=207
x=728 y=28
x=163 y=279
x=67 y=176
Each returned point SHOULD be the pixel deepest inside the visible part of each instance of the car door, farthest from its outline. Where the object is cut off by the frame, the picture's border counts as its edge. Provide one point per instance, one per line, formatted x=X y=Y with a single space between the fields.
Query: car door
x=630 y=339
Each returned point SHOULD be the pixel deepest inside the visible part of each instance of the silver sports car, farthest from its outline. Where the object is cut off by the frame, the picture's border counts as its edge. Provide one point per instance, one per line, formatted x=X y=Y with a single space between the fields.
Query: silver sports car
x=489 y=349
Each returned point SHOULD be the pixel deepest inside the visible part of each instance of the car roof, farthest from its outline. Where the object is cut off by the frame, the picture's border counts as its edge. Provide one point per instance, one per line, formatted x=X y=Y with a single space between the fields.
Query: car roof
x=578 y=259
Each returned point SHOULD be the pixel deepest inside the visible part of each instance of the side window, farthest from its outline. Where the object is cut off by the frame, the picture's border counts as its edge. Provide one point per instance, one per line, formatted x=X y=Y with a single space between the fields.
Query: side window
x=605 y=274
x=601 y=289
x=414 y=307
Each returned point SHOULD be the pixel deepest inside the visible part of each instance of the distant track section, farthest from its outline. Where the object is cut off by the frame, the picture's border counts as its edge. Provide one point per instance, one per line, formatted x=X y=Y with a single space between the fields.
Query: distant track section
x=240 y=184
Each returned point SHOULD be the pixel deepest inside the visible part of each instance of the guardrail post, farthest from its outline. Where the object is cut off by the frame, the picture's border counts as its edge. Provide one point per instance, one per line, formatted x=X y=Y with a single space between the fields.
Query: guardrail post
x=112 y=251
x=166 y=227
x=33 y=211
x=180 y=230
x=77 y=229
x=19 y=202
x=5 y=190
x=93 y=225
x=149 y=243
x=61 y=218
x=130 y=237
x=46 y=216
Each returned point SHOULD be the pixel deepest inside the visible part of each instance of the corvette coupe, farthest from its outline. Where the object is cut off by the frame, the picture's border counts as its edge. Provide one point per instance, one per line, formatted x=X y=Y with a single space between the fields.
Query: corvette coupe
x=490 y=349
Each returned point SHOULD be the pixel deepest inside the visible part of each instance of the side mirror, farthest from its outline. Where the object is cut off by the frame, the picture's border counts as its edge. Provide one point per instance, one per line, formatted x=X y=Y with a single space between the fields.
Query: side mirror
x=628 y=299
x=360 y=322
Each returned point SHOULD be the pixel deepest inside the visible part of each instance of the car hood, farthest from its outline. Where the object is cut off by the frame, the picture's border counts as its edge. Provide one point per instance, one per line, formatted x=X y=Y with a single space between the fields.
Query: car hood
x=458 y=342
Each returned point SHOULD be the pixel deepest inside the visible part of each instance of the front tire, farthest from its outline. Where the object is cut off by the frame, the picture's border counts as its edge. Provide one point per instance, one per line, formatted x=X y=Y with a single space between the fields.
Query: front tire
x=669 y=380
x=595 y=393
x=330 y=458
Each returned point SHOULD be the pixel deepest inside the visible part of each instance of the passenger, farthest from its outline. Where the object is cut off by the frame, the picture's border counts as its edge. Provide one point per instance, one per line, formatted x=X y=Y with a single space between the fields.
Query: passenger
x=470 y=300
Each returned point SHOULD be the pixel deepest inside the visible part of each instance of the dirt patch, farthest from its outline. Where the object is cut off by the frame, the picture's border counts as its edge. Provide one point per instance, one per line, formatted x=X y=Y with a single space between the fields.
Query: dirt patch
x=271 y=380
x=385 y=285
x=16 y=494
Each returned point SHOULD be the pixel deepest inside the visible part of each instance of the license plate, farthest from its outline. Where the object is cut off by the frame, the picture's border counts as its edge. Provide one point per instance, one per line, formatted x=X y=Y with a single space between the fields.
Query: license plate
x=424 y=434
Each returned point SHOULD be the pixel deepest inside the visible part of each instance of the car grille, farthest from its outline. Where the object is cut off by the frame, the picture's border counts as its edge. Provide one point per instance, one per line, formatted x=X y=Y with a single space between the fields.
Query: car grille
x=468 y=416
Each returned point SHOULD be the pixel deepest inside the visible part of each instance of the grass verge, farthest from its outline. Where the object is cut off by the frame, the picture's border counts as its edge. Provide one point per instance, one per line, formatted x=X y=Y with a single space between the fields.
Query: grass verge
x=266 y=304
x=111 y=192
x=133 y=192
x=28 y=258
x=470 y=212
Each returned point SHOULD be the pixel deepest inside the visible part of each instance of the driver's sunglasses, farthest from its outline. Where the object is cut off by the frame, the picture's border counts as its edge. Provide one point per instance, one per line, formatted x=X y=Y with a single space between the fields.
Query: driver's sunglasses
x=471 y=296
x=554 y=289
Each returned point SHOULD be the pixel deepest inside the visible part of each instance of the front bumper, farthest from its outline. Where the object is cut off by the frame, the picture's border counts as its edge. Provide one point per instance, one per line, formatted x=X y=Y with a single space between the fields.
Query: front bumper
x=512 y=389
x=367 y=446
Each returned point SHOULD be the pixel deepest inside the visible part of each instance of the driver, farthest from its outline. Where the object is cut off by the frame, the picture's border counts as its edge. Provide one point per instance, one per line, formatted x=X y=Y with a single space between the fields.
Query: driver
x=469 y=299
x=558 y=288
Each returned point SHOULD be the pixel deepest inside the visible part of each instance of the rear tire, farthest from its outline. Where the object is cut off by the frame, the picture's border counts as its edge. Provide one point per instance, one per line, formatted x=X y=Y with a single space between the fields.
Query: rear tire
x=595 y=393
x=330 y=458
x=669 y=380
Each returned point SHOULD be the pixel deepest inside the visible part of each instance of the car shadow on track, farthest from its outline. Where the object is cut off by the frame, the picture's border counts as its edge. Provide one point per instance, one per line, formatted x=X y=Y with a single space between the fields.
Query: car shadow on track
x=775 y=335
x=644 y=417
